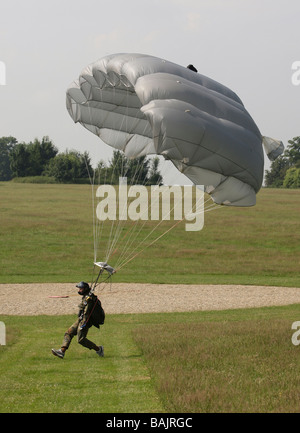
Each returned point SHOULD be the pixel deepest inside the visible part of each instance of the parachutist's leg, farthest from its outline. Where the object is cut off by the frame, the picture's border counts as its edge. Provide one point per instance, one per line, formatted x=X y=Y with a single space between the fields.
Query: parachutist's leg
x=81 y=335
x=71 y=332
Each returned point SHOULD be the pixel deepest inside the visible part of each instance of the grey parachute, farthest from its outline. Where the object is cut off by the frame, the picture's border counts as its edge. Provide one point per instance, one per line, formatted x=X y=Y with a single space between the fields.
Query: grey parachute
x=145 y=105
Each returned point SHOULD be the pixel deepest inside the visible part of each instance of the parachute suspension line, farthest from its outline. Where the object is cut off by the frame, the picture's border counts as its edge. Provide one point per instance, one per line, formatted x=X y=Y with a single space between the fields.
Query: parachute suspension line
x=98 y=224
x=116 y=228
x=113 y=222
x=133 y=229
x=133 y=232
x=149 y=234
x=112 y=242
x=155 y=240
x=134 y=176
x=131 y=239
x=149 y=245
x=211 y=207
x=92 y=182
x=94 y=282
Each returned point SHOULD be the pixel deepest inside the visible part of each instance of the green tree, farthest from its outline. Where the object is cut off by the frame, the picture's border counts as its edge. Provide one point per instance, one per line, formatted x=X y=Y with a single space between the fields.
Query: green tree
x=41 y=152
x=6 y=147
x=69 y=166
x=118 y=166
x=275 y=176
x=20 y=161
x=32 y=158
x=137 y=170
x=280 y=168
x=154 y=176
x=103 y=173
x=293 y=152
x=292 y=178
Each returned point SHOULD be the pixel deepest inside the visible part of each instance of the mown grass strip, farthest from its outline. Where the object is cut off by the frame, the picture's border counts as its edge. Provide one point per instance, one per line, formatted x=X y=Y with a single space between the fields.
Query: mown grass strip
x=212 y=361
x=33 y=380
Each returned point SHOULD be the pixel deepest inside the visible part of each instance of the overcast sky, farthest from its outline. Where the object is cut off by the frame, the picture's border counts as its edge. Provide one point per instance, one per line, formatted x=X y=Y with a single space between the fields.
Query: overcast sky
x=247 y=45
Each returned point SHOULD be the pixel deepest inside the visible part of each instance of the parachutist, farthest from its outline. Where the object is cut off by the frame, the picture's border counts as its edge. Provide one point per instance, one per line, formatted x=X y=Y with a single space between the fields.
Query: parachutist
x=90 y=314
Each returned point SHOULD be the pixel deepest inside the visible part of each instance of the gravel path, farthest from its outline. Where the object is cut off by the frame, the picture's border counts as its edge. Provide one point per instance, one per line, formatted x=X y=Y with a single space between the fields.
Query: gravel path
x=33 y=299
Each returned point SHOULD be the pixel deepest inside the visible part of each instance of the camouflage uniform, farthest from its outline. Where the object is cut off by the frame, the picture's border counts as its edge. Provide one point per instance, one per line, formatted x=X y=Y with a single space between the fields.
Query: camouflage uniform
x=82 y=324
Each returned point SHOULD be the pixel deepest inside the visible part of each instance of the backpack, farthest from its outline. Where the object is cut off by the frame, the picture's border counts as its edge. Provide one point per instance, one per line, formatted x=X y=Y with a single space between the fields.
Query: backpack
x=98 y=314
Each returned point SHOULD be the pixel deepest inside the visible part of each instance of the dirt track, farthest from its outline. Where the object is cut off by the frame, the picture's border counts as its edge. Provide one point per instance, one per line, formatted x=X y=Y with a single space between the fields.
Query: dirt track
x=33 y=299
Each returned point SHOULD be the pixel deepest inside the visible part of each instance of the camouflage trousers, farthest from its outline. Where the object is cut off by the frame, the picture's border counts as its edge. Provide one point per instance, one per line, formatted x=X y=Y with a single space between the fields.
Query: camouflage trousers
x=81 y=336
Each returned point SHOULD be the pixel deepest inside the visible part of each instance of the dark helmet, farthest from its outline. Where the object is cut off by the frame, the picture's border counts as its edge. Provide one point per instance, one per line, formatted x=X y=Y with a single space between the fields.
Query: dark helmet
x=192 y=68
x=83 y=288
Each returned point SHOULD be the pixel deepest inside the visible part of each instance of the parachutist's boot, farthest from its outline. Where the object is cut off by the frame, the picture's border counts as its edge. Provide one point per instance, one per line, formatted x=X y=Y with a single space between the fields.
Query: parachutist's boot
x=58 y=353
x=100 y=352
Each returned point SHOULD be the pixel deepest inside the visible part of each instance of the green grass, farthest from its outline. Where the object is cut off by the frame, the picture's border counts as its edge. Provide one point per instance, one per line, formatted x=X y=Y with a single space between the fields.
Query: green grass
x=33 y=380
x=210 y=361
x=47 y=236
x=214 y=361
x=229 y=363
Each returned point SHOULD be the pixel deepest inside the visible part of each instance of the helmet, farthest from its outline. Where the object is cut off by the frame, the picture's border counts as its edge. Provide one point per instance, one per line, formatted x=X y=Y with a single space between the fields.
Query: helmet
x=83 y=287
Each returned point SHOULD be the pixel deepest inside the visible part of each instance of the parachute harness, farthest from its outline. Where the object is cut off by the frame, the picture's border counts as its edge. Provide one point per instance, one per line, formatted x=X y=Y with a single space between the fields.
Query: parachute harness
x=103 y=267
x=86 y=322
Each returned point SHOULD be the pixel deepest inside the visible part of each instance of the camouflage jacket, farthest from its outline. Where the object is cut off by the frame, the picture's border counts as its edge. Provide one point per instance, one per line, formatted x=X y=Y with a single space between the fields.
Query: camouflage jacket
x=86 y=307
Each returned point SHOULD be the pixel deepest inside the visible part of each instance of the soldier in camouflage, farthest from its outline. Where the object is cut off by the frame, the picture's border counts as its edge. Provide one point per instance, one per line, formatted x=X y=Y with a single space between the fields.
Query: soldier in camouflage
x=82 y=324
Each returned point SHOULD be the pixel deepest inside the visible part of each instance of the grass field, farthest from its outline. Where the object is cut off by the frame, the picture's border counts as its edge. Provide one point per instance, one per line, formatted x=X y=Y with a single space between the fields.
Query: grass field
x=222 y=361
x=213 y=361
x=47 y=236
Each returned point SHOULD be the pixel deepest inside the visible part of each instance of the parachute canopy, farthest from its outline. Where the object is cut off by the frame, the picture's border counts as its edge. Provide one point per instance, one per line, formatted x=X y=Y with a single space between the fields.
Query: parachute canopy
x=144 y=105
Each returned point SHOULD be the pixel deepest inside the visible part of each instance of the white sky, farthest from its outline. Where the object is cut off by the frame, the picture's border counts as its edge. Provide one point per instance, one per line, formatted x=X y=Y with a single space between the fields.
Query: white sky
x=247 y=45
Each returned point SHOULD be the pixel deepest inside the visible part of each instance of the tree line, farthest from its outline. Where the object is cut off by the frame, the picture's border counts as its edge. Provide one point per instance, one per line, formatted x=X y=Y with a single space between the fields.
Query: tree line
x=41 y=158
